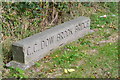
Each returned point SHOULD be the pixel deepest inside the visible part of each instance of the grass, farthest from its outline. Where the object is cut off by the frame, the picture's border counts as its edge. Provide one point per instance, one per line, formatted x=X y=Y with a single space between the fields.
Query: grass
x=87 y=56
x=17 y=73
x=102 y=65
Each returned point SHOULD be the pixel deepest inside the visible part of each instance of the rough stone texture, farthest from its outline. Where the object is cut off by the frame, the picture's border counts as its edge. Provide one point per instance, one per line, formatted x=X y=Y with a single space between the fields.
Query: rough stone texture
x=33 y=48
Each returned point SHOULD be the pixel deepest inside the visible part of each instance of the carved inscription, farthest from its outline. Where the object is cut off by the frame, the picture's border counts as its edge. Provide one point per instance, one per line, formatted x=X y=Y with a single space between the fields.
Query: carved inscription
x=60 y=36
x=64 y=34
x=79 y=27
x=29 y=51
x=47 y=42
x=36 y=47
x=40 y=45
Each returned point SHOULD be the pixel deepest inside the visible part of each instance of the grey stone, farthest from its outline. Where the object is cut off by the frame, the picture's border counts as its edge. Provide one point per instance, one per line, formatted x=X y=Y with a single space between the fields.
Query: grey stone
x=31 y=49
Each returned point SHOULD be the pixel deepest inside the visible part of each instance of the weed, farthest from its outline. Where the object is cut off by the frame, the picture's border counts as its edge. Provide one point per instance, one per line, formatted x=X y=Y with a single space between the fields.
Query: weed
x=66 y=59
x=84 y=42
x=17 y=73
x=37 y=64
x=73 y=48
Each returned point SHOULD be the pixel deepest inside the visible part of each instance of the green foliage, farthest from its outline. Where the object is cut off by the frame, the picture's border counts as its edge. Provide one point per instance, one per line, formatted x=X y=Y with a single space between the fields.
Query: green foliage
x=73 y=48
x=37 y=64
x=16 y=15
x=101 y=21
x=111 y=6
x=66 y=59
x=17 y=73
x=105 y=61
x=62 y=6
x=84 y=42
x=87 y=4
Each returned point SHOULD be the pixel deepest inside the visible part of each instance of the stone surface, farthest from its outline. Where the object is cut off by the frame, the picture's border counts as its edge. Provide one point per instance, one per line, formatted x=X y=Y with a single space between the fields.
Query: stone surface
x=33 y=48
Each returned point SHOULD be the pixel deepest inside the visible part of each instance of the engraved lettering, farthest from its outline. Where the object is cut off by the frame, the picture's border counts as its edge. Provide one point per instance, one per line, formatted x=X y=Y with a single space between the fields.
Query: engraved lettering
x=70 y=32
x=62 y=35
x=66 y=33
x=42 y=44
x=47 y=42
x=88 y=23
x=77 y=28
x=29 y=51
x=80 y=28
x=58 y=37
x=35 y=48
x=51 y=40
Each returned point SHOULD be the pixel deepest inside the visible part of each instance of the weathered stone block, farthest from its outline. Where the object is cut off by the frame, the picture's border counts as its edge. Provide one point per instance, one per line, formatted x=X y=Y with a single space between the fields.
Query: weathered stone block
x=33 y=48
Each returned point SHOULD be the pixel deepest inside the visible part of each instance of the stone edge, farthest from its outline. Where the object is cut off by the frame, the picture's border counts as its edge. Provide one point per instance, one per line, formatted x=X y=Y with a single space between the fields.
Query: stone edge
x=23 y=66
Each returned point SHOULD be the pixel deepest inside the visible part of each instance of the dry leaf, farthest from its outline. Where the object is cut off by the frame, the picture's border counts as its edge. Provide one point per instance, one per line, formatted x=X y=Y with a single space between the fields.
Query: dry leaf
x=65 y=71
x=68 y=70
x=71 y=70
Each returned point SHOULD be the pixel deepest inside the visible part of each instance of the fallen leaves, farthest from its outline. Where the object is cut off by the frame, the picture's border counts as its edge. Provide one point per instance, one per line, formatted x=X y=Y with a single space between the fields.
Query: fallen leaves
x=113 y=27
x=69 y=70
